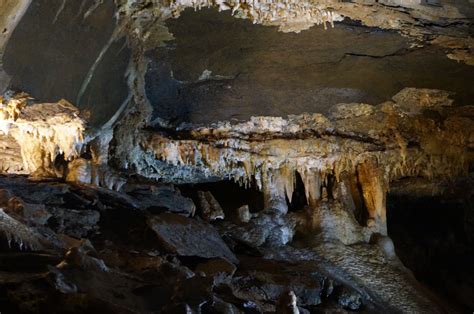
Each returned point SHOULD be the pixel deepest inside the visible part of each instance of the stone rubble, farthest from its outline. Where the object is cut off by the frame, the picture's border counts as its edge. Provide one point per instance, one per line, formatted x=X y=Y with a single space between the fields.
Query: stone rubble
x=114 y=268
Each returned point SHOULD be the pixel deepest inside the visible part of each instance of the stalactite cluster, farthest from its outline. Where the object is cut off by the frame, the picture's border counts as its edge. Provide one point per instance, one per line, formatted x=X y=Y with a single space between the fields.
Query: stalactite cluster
x=293 y=15
x=43 y=131
x=370 y=145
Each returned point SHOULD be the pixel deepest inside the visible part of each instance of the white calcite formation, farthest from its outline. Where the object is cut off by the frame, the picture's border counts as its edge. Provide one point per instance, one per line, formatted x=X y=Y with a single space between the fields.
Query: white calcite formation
x=294 y=16
x=42 y=131
x=414 y=19
x=289 y=14
x=17 y=234
x=370 y=147
x=47 y=139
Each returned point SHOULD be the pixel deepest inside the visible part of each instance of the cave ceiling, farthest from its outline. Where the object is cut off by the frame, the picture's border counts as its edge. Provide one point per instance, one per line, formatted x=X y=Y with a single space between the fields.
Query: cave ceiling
x=212 y=61
x=294 y=139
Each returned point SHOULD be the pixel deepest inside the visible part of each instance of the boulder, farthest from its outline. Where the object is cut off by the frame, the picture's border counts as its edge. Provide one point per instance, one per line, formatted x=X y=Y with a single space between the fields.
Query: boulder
x=161 y=198
x=189 y=237
x=209 y=206
x=219 y=269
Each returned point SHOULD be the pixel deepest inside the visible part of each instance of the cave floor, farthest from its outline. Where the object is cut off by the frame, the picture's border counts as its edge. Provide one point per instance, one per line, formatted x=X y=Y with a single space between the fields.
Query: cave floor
x=140 y=251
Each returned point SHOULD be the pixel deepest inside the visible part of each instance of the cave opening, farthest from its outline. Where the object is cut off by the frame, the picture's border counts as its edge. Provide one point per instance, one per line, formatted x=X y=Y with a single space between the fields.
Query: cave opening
x=229 y=194
x=298 y=199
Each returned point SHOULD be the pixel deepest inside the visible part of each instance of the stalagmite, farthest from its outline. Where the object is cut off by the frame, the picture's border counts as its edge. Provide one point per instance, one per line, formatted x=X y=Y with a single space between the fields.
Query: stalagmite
x=302 y=204
x=292 y=16
x=374 y=193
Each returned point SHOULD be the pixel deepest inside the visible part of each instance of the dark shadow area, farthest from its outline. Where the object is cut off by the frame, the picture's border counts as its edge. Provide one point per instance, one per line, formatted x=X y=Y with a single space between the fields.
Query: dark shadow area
x=433 y=237
x=229 y=194
x=298 y=199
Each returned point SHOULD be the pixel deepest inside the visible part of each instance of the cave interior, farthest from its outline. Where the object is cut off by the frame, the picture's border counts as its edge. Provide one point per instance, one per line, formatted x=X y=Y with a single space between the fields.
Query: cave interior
x=211 y=156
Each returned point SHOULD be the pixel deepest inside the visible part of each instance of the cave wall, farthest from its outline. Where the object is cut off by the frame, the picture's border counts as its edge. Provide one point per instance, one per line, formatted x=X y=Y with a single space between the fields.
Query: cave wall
x=78 y=55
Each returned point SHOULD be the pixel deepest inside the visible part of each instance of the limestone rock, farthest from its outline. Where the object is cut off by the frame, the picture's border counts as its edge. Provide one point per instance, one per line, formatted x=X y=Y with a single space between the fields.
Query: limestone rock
x=160 y=198
x=414 y=100
x=189 y=237
x=264 y=229
x=75 y=223
x=349 y=300
x=345 y=111
x=219 y=269
x=274 y=279
x=243 y=214
x=287 y=303
x=210 y=208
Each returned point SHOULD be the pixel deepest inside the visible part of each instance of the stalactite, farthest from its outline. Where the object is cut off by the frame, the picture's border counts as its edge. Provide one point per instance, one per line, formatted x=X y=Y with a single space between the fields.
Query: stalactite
x=18 y=234
x=252 y=153
x=292 y=15
x=43 y=131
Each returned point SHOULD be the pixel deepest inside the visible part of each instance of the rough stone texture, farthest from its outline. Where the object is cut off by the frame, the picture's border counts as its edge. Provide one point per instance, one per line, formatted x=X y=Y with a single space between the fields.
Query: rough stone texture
x=42 y=131
x=219 y=269
x=388 y=284
x=162 y=198
x=413 y=100
x=209 y=207
x=243 y=214
x=265 y=229
x=324 y=275
x=75 y=223
x=188 y=237
x=260 y=71
x=84 y=64
x=10 y=160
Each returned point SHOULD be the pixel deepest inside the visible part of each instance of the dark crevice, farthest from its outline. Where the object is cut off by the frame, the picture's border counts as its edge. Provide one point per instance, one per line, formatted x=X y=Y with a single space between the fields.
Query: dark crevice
x=401 y=52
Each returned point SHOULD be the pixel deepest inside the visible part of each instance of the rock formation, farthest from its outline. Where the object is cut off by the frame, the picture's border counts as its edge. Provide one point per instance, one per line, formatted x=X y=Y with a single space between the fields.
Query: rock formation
x=230 y=156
